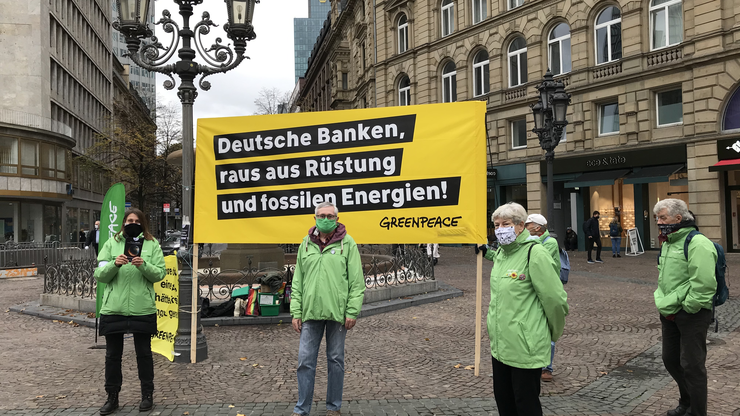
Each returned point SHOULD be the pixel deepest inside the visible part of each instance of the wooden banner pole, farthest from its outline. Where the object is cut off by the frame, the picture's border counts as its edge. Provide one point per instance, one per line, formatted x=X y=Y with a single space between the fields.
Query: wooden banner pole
x=194 y=306
x=478 y=306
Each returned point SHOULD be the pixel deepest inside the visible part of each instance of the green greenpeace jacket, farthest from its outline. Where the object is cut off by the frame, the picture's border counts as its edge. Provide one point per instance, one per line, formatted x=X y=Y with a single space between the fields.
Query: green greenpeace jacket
x=327 y=285
x=129 y=290
x=688 y=285
x=528 y=304
x=552 y=247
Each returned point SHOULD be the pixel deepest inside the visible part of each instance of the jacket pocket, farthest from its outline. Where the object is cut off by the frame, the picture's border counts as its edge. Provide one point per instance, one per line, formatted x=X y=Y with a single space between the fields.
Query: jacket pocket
x=523 y=338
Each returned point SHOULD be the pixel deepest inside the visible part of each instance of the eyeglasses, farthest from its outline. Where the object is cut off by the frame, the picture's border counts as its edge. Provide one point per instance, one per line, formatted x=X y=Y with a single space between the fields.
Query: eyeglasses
x=326 y=217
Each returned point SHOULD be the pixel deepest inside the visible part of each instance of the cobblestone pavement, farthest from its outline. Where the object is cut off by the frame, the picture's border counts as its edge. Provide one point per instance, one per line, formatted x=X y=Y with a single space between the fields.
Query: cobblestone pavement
x=400 y=363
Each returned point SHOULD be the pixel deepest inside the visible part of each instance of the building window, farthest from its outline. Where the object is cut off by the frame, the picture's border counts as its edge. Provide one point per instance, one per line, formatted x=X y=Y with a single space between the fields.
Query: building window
x=608 y=119
x=448 y=15
x=479 y=11
x=345 y=82
x=608 y=35
x=29 y=158
x=481 y=74
x=666 y=22
x=517 y=62
x=670 y=107
x=731 y=119
x=403 y=34
x=404 y=91
x=558 y=45
x=8 y=155
x=518 y=133
x=449 y=83
x=513 y=4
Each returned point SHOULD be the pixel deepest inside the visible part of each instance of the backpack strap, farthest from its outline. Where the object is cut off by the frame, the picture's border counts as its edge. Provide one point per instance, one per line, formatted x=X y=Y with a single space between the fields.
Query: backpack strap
x=546 y=238
x=529 y=253
x=687 y=241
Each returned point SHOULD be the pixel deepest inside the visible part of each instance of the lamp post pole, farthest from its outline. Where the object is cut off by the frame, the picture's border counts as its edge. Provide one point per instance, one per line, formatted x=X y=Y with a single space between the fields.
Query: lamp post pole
x=147 y=52
x=549 y=122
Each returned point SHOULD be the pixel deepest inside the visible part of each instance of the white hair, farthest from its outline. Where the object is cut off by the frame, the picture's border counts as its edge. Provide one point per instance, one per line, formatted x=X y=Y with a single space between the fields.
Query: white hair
x=324 y=205
x=511 y=211
x=674 y=207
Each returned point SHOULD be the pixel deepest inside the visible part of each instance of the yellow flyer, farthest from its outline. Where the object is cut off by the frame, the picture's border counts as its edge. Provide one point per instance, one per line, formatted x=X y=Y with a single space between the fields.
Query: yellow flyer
x=166 y=293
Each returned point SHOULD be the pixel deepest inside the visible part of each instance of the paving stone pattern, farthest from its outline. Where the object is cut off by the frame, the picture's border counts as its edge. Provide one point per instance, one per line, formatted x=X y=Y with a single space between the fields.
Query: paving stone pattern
x=398 y=363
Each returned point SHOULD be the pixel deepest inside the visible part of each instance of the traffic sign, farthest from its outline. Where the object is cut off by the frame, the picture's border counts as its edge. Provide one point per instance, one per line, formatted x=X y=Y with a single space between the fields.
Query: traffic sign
x=166 y=207
x=128 y=205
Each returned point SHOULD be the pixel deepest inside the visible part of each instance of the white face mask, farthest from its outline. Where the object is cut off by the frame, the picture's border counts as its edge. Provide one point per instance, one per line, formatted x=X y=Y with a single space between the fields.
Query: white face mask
x=505 y=235
x=97 y=226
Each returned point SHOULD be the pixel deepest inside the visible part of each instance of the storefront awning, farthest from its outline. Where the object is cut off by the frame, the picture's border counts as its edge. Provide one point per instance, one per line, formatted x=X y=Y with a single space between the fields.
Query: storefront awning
x=653 y=174
x=731 y=164
x=606 y=177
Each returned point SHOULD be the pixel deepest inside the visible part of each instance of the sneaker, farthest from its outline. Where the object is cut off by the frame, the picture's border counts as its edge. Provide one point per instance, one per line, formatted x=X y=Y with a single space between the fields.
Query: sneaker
x=546 y=376
x=599 y=261
x=619 y=256
x=614 y=255
x=590 y=262
x=681 y=410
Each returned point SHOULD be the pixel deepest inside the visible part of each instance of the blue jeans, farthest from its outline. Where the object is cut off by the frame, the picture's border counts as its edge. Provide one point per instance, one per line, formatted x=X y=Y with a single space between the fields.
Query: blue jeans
x=616 y=243
x=308 y=352
x=552 y=357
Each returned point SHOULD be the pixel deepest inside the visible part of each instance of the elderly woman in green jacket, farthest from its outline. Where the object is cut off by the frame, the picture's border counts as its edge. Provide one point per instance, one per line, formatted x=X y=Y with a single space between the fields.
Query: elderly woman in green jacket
x=129 y=304
x=527 y=311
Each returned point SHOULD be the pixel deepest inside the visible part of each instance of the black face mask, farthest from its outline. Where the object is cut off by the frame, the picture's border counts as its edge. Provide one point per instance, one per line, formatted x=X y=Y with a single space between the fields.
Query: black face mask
x=132 y=230
x=666 y=229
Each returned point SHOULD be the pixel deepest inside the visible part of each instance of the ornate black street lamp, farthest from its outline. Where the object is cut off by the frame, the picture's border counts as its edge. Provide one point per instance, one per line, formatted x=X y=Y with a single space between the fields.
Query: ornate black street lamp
x=147 y=52
x=549 y=122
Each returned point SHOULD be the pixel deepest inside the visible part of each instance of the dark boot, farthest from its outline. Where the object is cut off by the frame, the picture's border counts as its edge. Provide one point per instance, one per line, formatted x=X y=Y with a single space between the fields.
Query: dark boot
x=681 y=410
x=110 y=405
x=147 y=402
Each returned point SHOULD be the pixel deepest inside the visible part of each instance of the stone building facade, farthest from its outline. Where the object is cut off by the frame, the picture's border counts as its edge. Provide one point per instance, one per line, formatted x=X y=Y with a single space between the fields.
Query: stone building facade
x=654 y=89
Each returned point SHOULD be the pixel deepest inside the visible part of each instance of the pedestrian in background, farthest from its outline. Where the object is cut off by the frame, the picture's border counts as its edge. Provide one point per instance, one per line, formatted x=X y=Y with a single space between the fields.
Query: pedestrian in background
x=129 y=305
x=327 y=292
x=433 y=252
x=686 y=287
x=93 y=238
x=536 y=224
x=525 y=290
x=571 y=239
x=593 y=236
x=615 y=233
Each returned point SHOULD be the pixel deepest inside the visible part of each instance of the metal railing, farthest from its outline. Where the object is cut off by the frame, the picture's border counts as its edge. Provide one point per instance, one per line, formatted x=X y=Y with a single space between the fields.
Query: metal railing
x=71 y=278
x=21 y=118
x=14 y=255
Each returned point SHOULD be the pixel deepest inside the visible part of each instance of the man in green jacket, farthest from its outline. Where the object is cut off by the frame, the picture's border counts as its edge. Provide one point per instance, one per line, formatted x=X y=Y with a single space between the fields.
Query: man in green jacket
x=537 y=226
x=327 y=292
x=684 y=300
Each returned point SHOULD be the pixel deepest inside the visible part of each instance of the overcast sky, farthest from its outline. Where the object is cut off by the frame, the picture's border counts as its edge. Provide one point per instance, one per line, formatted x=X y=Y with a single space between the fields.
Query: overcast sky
x=271 y=64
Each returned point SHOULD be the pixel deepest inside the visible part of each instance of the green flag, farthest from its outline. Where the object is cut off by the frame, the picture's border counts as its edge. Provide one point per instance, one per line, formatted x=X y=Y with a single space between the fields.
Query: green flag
x=111 y=220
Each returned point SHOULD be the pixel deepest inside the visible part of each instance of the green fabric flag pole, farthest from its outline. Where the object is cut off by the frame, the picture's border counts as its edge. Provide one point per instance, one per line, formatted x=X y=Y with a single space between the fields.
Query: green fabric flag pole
x=111 y=220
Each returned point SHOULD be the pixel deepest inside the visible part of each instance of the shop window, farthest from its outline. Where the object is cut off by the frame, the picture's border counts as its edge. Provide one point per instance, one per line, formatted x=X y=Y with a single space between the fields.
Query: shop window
x=449 y=83
x=608 y=119
x=670 y=107
x=72 y=234
x=32 y=223
x=558 y=46
x=7 y=213
x=52 y=223
x=518 y=134
x=479 y=11
x=731 y=119
x=448 y=15
x=403 y=34
x=8 y=155
x=608 y=35
x=404 y=91
x=517 y=62
x=513 y=4
x=666 y=22
x=481 y=74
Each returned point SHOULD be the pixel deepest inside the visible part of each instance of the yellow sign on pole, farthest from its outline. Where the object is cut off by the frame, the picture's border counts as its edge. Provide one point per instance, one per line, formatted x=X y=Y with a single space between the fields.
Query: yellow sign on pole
x=408 y=174
x=166 y=293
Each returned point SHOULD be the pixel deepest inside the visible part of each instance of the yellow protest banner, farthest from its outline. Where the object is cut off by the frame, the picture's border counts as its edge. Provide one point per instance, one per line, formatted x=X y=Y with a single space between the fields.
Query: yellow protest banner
x=412 y=174
x=166 y=293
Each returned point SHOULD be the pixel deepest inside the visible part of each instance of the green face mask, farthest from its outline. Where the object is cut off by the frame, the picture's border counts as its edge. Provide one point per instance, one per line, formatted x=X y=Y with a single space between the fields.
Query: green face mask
x=325 y=225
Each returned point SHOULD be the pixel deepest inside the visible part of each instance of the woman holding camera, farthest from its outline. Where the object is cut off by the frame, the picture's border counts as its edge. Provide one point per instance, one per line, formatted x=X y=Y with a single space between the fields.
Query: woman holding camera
x=129 y=264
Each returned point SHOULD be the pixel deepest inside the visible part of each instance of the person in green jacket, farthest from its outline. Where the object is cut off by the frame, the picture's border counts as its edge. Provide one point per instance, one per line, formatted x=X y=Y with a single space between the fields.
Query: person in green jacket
x=527 y=312
x=129 y=304
x=327 y=291
x=537 y=226
x=684 y=300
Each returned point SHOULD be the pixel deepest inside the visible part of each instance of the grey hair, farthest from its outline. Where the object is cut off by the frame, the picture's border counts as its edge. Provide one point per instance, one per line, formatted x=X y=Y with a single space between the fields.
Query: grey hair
x=674 y=207
x=511 y=211
x=324 y=205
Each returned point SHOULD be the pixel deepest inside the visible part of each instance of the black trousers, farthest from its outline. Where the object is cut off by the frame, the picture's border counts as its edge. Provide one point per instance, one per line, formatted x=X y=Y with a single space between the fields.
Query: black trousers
x=685 y=356
x=516 y=390
x=591 y=242
x=144 y=362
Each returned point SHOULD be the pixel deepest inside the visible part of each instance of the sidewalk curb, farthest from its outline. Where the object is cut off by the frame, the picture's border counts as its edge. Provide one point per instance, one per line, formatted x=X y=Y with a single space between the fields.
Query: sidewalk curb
x=445 y=292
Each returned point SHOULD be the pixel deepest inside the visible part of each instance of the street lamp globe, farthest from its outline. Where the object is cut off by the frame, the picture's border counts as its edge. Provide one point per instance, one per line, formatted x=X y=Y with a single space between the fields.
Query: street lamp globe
x=240 y=14
x=133 y=16
x=560 y=100
x=539 y=116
